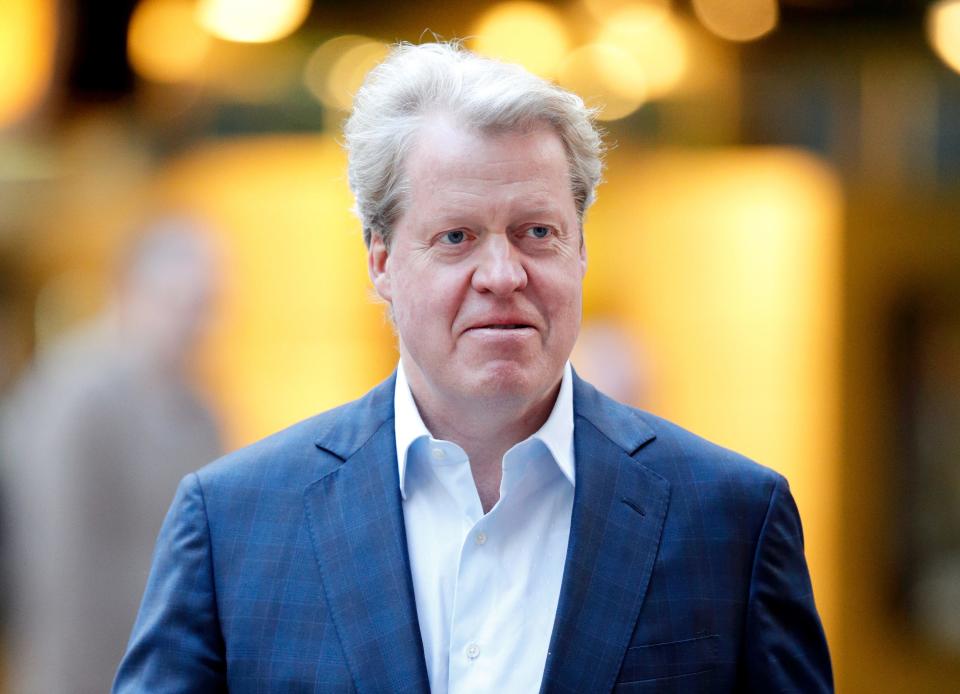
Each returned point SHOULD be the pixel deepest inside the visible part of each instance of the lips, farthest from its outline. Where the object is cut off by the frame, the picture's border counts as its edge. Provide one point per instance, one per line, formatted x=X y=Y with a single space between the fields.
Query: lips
x=505 y=323
x=502 y=323
x=502 y=331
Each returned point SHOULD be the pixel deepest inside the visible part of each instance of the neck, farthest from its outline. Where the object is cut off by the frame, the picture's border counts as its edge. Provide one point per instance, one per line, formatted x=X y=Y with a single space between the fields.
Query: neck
x=485 y=429
x=491 y=426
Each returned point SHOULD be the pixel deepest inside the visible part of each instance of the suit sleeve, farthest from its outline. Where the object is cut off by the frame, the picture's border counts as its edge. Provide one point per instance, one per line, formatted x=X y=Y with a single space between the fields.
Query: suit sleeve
x=177 y=645
x=785 y=649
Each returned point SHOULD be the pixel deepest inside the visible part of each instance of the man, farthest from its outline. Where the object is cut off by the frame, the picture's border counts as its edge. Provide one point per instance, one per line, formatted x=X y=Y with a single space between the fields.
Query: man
x=484 y=520
x=100 y=429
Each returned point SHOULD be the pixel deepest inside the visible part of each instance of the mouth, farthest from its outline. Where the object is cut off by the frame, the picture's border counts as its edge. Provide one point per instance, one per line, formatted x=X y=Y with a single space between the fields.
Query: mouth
x=504 y=326
x=499 y=332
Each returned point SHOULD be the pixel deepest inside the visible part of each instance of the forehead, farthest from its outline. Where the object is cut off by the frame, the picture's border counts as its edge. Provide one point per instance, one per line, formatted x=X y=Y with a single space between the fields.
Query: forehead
x=446 y=157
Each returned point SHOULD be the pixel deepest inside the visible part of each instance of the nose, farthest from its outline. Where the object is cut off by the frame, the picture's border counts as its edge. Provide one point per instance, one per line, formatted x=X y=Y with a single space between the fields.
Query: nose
x=499 y=269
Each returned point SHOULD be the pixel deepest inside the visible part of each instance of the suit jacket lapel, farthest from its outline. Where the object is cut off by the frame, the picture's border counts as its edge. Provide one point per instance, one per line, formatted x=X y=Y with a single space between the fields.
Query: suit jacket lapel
x=358 y=534
x=618 y=516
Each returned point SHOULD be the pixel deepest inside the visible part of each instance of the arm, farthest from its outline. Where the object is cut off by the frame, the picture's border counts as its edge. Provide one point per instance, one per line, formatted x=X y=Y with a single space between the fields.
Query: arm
x=177 y=645
x=784 y=648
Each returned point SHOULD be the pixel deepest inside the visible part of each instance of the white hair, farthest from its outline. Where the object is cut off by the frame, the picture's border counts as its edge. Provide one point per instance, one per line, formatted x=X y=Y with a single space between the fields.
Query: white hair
x=415 y=82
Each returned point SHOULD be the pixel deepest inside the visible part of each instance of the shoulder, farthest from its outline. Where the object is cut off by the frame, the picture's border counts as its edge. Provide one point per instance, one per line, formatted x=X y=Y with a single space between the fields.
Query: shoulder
x=690 y=463
x=681 y=454
x=305 y=451
x=730 y=492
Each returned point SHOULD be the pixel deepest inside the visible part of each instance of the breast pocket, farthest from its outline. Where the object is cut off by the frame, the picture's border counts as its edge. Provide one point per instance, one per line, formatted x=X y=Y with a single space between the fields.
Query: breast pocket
x=676 y=660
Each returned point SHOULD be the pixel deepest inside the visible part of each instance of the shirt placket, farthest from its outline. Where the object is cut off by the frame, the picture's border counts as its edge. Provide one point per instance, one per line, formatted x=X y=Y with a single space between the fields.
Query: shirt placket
x=474 y=651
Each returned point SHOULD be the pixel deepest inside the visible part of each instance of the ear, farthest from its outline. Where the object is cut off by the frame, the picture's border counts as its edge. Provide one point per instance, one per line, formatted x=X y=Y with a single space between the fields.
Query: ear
x=378 y=259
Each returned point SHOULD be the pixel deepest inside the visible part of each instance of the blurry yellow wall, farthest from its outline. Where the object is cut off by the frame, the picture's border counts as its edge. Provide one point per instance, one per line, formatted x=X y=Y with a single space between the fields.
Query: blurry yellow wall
x=299 y=332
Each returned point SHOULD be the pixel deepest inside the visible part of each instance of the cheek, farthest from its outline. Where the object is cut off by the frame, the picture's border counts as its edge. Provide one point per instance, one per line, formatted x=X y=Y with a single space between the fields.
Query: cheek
x=566 y=295
x=420 y=307
x=436 y=291
x=566 y=309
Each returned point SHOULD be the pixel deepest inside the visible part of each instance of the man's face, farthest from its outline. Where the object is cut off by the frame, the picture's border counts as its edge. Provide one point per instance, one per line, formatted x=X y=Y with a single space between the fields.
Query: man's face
x=485 y=269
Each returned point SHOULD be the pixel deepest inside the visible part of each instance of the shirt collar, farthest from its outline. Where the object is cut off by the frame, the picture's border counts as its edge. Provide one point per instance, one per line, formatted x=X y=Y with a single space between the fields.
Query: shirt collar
x=408 y=426
x=556 y=433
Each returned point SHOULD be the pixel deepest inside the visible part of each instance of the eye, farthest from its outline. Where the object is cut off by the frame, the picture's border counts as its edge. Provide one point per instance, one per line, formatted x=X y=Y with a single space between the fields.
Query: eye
x=539 y=231
x=453 y=238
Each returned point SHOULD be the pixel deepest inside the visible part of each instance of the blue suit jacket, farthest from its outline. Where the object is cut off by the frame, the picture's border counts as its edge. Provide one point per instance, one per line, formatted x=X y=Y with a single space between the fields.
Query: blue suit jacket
x=283 y=568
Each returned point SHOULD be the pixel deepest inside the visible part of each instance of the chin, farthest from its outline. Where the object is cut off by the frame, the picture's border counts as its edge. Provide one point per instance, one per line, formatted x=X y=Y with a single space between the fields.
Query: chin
x=506 y=379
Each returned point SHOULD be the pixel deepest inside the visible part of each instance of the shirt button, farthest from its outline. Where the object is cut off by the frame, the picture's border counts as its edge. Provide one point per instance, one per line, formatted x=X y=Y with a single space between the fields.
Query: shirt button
x=473 y=650
x=438 y=454
x=481 y=538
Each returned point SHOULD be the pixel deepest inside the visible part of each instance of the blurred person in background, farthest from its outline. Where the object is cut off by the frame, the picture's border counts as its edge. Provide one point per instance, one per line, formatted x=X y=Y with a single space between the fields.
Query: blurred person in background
x=94 y=440
x=484 y=520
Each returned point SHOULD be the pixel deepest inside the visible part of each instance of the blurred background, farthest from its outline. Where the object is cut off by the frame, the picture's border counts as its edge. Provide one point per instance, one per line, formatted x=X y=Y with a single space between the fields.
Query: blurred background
x=774 y=264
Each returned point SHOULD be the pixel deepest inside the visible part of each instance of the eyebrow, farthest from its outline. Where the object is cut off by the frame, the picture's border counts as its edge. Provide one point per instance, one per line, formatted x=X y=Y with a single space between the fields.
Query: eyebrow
x=541 y=211
x=524 y=210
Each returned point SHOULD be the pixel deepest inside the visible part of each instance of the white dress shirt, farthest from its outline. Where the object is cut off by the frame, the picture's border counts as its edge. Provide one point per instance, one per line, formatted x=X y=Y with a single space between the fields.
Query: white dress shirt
x=486 y=586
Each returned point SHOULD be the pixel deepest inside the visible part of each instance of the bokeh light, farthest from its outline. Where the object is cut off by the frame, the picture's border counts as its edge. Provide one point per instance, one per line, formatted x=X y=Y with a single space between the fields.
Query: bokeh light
x=607 y=77
x=601 y=10
x=737 y=20
x=336 y=69
x=252 y=21
x=655 y=41
x=164 y=41
x=529 y=33
x=27 y=45
x=943 y=31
